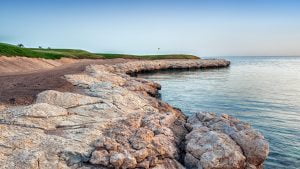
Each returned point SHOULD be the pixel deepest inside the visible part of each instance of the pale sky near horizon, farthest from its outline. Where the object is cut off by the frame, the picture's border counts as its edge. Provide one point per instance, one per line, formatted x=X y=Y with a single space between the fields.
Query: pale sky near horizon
x=200 y=27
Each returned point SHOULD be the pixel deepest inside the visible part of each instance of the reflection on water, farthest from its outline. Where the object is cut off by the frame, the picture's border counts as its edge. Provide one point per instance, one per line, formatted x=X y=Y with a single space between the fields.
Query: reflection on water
x=264 y=91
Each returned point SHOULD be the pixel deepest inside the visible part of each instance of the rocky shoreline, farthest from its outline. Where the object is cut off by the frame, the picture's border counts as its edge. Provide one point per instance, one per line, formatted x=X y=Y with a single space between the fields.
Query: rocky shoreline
x=113 y=120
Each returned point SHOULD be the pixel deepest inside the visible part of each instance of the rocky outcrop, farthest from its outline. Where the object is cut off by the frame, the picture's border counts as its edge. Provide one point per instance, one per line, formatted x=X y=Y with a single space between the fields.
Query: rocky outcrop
x=113 y=121
x=223 y=142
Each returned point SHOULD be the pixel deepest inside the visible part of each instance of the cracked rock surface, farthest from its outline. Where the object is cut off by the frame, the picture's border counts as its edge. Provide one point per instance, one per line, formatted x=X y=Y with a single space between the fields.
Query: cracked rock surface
x=113 y=121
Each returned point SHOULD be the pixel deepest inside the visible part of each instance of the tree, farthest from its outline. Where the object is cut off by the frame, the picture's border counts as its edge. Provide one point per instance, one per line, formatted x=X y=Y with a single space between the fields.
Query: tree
x=49 y=48
x=20 y=45
x=40 y=47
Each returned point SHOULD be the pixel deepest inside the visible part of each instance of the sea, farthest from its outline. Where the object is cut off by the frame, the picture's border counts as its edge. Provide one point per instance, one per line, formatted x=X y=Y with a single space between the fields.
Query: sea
x=263 y=91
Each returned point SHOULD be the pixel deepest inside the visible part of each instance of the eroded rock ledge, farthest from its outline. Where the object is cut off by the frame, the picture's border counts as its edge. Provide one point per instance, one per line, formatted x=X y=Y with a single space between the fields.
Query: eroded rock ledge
x=113 y=121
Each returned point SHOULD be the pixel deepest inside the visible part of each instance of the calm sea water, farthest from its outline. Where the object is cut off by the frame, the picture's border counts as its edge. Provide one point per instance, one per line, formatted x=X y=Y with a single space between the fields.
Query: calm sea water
x=264 y=91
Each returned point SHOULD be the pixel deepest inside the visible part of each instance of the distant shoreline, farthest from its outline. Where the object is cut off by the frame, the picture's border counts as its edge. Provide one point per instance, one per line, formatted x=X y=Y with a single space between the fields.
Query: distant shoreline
x=49 y=53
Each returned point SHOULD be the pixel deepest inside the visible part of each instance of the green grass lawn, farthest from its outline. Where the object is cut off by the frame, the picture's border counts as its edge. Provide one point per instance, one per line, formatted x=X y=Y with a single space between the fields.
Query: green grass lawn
x=12 y=50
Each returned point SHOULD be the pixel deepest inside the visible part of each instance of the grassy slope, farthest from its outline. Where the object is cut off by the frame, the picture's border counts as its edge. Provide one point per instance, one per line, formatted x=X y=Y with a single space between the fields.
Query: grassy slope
x=69 y=53
x=11 y=50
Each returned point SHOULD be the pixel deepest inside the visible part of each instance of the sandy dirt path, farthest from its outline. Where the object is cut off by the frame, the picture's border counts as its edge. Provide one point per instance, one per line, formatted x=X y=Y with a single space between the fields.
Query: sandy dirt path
x=21 y=88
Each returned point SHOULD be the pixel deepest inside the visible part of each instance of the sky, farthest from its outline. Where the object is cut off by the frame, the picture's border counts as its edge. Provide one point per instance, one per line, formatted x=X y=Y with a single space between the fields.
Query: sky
x=200 y=27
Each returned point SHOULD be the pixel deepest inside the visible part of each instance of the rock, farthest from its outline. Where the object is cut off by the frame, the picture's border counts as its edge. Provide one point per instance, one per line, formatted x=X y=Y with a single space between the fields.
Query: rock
x=111 y=145
x=214 y=150
x=117 y=159
x=223 y=142
x=169 y=164
x=100 y=157
x=140 y=155
x=73 y=158
x=39 y=110
x=167 y=119
x=144 y=164
x=107 y=143
x=99 y=143
x=192 y=162
x=141 y=139
x=129 y=162
x=66 y=100
x=100 y=72
x=165 y=146
x=153 y=161
x=253 y=144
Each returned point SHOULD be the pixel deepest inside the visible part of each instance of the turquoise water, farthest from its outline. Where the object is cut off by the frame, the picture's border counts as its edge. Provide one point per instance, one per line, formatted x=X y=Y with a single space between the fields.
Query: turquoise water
x=264 y=91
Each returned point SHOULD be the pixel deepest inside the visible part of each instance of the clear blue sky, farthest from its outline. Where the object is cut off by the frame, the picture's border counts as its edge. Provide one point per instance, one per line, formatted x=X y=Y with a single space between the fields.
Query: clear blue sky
x=201 y=27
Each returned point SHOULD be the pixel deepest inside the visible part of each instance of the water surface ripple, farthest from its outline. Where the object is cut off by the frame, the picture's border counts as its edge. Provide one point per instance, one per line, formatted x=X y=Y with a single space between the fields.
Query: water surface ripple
x=264 y=91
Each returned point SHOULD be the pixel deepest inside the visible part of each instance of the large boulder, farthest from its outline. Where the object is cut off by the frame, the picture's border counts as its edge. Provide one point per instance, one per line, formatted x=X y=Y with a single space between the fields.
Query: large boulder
x=242 y=146
x=212 y=150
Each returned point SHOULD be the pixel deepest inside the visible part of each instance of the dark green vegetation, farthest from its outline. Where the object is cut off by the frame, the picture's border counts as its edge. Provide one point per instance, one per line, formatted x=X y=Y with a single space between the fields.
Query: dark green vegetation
x=12 y=50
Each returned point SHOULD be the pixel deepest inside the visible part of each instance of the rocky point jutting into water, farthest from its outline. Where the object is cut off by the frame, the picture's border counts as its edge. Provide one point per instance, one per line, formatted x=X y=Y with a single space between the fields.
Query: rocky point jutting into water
x=113 y=120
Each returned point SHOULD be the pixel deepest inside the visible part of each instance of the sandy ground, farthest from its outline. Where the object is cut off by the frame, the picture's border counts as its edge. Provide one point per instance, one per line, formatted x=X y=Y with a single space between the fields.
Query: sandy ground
x=11 y=65
x=21 y=79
